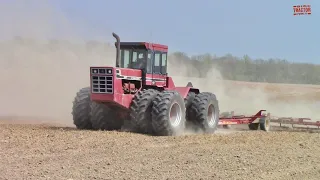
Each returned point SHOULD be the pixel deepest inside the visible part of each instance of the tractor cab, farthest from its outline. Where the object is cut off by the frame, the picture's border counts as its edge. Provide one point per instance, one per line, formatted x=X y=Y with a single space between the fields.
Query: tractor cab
x=142 y=55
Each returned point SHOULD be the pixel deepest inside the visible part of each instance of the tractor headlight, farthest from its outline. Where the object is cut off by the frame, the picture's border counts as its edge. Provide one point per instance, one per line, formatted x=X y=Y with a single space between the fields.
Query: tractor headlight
x=109 y=71
x=94 y=71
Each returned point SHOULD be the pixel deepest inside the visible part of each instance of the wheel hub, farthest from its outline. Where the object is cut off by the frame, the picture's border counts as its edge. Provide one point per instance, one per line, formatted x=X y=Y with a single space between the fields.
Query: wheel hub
x=211 y=115
x=175 y=114
x=267 y=123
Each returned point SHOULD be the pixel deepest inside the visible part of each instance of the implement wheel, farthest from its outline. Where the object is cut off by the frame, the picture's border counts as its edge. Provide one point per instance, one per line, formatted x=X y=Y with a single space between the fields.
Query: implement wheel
x=265 y=124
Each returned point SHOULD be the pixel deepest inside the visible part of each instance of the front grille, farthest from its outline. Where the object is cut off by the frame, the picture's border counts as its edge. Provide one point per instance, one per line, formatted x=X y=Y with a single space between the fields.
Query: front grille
x=102 y=84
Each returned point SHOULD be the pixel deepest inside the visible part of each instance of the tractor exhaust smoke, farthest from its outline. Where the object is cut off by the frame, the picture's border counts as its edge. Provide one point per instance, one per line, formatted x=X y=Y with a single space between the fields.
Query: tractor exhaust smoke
x=118 y=48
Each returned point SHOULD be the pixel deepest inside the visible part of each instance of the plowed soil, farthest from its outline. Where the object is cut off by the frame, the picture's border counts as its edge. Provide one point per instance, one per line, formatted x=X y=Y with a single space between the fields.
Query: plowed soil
x=40 y=76
x=48 y=152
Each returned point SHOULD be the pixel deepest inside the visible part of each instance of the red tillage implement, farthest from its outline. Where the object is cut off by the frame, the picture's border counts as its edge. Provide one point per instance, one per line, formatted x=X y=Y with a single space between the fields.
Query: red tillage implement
x=260 y=119
x=263 y=120
x=295 y=121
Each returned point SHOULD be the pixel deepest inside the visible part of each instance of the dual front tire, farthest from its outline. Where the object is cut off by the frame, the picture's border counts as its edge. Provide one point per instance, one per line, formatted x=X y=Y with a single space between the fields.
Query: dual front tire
x=168 y=114
x=93 y=115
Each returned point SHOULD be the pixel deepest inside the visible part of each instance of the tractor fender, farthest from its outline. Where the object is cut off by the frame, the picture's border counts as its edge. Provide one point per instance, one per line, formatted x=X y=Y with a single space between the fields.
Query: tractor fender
x=185 y=90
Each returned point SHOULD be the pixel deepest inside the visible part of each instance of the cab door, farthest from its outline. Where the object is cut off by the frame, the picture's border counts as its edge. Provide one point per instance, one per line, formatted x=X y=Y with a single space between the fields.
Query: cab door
x=159 y=75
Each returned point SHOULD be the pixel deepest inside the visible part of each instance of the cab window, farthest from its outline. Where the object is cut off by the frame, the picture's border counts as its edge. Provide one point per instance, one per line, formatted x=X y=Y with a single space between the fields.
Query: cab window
x=163 y=63
x=125 y=58
x=149 y=62
x=131 y=58
x=157 y=60
x=134 y=56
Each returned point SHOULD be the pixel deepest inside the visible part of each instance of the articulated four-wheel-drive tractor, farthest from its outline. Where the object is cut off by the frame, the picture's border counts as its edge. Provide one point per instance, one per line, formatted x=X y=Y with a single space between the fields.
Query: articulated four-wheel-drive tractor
x=138 y=95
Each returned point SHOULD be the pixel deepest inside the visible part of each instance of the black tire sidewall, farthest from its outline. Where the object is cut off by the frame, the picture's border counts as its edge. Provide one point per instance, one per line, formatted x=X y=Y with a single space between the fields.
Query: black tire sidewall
x=81 y=109
x=254 y=126
x=140 y=111
x=103 y=117
x=188 y=101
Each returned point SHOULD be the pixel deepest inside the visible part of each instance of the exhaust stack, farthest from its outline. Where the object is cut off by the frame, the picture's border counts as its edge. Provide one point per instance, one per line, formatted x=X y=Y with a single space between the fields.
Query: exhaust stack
x=118 y=48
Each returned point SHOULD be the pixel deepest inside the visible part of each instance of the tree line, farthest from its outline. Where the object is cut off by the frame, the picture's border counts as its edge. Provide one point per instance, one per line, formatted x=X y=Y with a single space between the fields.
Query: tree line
x=252 y=70
x=231 y=67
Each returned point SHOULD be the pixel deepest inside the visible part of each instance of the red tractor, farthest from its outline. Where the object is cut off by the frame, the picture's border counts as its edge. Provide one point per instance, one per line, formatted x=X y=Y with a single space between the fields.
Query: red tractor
x=138 y=95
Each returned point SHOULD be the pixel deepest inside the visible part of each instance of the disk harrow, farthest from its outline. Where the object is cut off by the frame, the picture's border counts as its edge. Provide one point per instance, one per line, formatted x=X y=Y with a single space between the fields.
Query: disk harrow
x=298 y=123
x=259 y=120
x=266 y=121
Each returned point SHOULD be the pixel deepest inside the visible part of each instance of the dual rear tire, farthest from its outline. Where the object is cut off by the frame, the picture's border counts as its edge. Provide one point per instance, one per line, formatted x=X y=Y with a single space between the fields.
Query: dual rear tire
x=167 y=113
x=204 y=112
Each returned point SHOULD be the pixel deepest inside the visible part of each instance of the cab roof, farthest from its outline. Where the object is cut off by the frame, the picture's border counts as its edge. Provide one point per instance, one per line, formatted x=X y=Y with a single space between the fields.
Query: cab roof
x=144 y=45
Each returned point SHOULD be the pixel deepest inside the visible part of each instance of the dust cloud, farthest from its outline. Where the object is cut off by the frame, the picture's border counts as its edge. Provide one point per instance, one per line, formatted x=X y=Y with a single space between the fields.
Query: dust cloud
x=40 y=75
x=242 y=98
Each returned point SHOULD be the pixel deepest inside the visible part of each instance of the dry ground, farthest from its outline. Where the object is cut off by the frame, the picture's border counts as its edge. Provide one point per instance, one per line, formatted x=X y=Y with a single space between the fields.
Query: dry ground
x=49 y=73
x=36 y=151
x=47 y=152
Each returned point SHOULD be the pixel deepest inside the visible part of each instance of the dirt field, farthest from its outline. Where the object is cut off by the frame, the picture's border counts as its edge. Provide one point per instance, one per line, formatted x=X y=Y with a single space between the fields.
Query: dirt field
x=41 y=76
x=44 y=152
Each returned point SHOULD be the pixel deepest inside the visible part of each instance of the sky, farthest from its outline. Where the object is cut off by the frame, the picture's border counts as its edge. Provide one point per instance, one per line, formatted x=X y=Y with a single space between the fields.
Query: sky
x=260 y=29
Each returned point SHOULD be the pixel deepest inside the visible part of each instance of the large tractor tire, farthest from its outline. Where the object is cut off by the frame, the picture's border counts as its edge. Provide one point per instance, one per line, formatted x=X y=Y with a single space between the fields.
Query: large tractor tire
x=140 y=111
x=168 y=114
x=81 y=109
x=204 y=112
x=188 y=101
x=104 y=118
